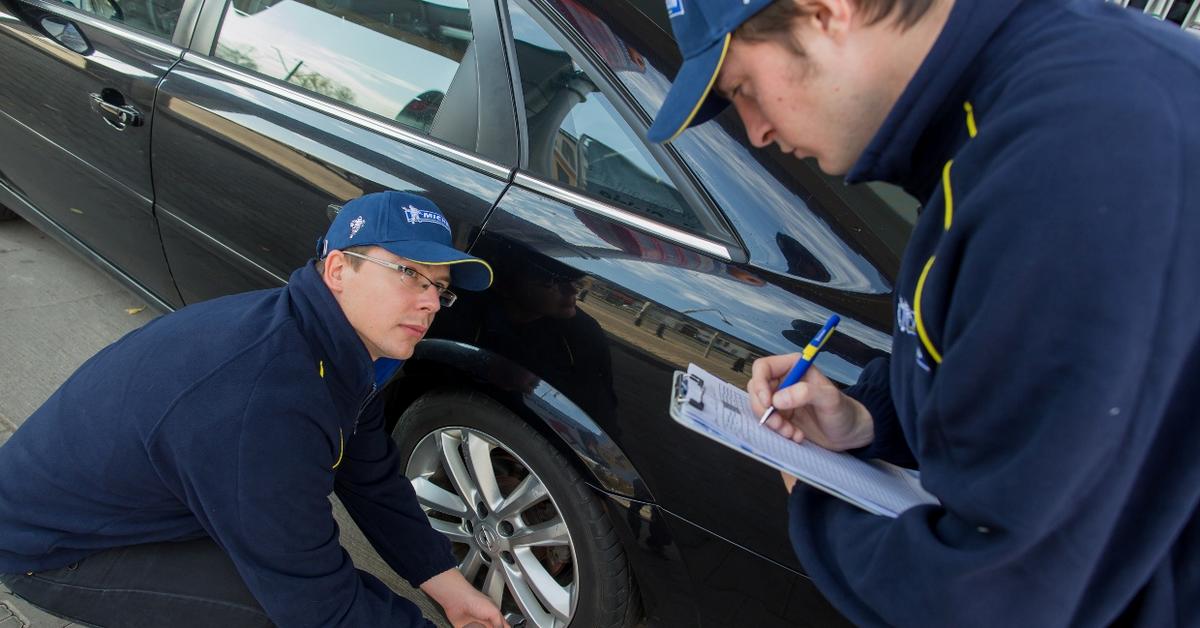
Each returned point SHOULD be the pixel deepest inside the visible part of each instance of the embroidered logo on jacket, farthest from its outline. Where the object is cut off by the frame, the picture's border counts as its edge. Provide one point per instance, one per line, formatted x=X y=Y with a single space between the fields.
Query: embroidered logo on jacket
x=415 y=216
x=355 y=225
x=906 y=321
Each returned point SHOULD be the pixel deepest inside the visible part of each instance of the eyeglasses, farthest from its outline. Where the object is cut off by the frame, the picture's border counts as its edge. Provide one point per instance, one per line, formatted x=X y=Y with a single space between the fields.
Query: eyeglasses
x=413 y=278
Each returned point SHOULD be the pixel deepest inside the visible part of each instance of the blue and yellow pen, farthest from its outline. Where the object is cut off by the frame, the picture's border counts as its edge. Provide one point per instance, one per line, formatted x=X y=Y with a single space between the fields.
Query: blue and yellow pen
x=806 y=359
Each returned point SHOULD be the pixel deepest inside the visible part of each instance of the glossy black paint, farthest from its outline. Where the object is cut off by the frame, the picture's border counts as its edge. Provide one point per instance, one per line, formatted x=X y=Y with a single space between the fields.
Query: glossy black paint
x=712 y=313
x=242 y=203
x=53 y=132
x=589 y=315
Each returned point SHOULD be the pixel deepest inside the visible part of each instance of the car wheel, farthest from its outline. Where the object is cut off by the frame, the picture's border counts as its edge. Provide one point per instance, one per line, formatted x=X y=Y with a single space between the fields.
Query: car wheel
x=526 y=529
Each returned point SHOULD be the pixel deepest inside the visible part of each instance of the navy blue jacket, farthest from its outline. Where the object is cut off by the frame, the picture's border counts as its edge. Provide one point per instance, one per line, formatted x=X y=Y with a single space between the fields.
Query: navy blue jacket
x=1046 y=351
x=233 y=418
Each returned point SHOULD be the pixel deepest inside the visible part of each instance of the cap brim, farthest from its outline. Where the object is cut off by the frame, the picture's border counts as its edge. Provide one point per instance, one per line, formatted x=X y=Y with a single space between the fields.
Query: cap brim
x=466 y=272
x=686 y=100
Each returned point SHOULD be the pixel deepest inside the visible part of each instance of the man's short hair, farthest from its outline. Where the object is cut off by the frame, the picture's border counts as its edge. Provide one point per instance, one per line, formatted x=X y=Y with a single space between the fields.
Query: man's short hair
x=353 y=262
x=774 y=22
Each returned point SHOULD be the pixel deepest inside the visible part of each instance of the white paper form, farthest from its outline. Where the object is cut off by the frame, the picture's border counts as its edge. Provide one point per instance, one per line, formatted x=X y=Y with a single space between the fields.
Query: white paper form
x=877 y=487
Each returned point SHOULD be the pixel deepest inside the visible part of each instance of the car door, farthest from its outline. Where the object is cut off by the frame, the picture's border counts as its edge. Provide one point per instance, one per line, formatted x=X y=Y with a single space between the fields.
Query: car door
x=282 y=111
x=76 y=109
x=702 y=252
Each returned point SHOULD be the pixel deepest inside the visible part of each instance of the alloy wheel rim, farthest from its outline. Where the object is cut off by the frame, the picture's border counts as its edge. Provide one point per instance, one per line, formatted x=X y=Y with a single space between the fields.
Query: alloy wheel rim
x=506 y=530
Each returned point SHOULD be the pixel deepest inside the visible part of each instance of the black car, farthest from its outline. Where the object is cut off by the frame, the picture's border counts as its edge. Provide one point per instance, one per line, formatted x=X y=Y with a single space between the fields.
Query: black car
x=198 y=148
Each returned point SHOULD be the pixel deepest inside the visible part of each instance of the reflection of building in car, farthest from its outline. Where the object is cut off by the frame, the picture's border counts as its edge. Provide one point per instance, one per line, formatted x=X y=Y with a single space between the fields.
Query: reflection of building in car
x=530 y=315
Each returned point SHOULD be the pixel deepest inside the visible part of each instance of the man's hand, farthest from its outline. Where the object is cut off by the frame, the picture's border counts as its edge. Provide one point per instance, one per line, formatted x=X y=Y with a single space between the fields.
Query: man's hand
x=463 y=603
x=813 y=408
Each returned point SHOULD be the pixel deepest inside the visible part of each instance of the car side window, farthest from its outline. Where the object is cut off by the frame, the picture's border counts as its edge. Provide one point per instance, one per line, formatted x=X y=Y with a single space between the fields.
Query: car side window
x=578 y=139
x=157 y=17
x=400 y=59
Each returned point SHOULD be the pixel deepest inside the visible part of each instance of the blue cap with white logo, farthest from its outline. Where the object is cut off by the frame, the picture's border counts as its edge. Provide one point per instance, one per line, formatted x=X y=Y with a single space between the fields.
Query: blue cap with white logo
x=703 y=30
x=407 y=225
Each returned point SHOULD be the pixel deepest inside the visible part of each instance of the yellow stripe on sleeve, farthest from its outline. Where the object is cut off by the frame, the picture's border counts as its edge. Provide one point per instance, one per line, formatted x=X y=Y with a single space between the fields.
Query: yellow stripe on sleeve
x=949 y=194
x=341 y=448
x=933 y=352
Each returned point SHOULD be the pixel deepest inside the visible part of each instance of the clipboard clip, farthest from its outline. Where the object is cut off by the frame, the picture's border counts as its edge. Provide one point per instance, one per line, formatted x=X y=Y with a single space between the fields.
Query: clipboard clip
x=691 y=390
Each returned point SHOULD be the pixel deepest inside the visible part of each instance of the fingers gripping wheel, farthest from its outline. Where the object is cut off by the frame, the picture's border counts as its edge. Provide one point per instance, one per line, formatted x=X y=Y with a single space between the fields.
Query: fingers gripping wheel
x=526 y=529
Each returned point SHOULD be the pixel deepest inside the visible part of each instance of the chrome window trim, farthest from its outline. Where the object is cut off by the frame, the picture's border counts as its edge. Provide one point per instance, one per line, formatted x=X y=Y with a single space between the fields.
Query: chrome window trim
x=115 y=28
x=218 y=244
x=298 y=96
x=623 y=216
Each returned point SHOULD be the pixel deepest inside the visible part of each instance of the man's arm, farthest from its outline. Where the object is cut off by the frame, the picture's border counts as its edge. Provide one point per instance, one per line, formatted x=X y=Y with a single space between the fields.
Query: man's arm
x=375 y=492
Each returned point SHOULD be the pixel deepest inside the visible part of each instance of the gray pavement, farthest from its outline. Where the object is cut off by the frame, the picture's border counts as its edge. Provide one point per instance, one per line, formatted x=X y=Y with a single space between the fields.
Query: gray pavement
x=56 y=310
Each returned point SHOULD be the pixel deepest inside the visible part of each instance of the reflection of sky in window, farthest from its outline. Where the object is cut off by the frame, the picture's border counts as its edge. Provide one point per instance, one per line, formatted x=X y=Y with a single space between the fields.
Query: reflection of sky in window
x=352 y=56
x=526 y=30
x=596 y=118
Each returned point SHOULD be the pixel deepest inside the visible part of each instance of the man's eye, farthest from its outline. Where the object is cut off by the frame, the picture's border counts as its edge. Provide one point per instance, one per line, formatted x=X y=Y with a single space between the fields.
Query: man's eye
x=408 y=271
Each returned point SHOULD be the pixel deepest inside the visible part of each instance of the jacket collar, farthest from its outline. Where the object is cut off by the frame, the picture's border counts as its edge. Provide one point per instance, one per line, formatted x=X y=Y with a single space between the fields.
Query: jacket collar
x=342 y=359
x=913 y=141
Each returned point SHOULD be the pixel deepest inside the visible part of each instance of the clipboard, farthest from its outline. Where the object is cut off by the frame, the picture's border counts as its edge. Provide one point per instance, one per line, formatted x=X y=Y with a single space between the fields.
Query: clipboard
x=720 y=411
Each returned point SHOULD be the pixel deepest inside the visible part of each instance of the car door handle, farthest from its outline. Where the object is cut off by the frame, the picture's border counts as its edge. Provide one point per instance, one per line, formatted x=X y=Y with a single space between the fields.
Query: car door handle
x=118 y=115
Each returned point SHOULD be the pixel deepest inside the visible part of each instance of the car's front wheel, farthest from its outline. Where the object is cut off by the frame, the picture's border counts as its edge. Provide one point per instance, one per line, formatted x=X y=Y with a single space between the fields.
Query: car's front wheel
x=526 y=529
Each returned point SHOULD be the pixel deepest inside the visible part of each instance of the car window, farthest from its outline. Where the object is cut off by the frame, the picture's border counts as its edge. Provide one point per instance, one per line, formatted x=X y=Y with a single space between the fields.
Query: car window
x=814 y=216
x=157 y=17
x=395 y=58
x=577 y=137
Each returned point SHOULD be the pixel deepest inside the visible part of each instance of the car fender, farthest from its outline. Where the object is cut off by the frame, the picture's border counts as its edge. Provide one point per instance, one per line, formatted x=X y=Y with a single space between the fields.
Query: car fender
x=435 y=362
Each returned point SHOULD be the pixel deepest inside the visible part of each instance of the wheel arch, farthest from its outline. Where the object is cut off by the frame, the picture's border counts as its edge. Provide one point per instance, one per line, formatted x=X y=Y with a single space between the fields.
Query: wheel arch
x=438 y=363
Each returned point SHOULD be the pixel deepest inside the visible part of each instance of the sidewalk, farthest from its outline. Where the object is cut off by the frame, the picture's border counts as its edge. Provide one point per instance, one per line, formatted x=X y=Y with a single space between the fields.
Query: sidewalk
x=16 y=613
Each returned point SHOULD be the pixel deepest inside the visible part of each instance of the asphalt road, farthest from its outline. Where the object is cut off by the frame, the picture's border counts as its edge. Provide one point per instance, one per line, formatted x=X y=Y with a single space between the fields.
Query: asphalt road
x=56 y=310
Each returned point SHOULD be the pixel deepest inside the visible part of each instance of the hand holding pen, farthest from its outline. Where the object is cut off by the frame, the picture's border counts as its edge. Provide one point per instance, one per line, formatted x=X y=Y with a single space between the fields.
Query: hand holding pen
x=810 y=405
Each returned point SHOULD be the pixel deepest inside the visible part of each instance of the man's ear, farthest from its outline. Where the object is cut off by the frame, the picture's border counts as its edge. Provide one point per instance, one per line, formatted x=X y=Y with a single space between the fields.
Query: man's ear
x=830 y=17
x=334 y=269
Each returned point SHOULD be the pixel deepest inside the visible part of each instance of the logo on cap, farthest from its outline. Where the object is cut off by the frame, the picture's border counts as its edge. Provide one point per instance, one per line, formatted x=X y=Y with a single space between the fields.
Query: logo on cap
x=355 y=225
x=414 y=216
x=674 y=8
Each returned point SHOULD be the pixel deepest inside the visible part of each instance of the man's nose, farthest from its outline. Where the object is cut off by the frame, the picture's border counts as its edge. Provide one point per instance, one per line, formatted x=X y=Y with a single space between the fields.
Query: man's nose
x=758 y=129
x=429 y=299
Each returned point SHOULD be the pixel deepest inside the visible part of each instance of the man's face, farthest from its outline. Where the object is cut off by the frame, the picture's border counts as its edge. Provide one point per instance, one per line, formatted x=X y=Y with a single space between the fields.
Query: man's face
x=390 y=312
x=826 y=104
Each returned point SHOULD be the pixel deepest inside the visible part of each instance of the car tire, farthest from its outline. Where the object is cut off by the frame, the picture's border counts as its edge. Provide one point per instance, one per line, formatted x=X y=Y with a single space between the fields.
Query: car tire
x=537 y=541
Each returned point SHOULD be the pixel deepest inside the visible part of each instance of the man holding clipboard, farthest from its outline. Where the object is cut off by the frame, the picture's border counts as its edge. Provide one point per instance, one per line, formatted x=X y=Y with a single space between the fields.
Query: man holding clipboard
x=1042 y=377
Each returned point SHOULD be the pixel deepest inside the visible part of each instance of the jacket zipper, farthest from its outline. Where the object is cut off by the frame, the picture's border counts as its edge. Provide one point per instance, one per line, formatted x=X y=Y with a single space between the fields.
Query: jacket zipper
x=362 y=407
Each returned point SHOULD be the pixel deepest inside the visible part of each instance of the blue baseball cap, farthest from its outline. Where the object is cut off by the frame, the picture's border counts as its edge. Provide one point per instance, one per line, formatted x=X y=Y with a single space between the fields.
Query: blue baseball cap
x=703 y=30
x=408 y=225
